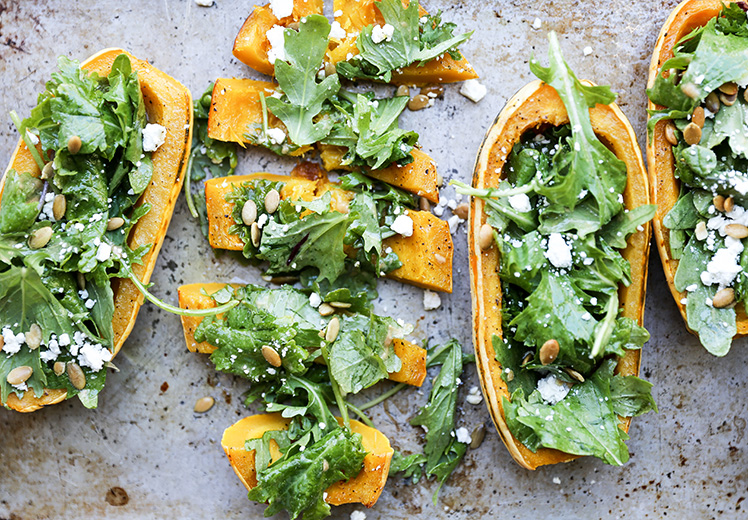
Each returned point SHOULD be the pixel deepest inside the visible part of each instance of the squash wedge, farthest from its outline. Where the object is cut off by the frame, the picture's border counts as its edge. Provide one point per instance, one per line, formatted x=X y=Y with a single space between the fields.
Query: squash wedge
x=413 y=357
x=665 y=188
x=426 y=255
x=536 y=105
x=168 y=103
x=365 y=488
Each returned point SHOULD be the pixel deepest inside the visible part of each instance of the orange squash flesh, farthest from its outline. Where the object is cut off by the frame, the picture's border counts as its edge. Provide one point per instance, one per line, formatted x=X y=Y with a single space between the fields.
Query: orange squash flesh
x=418 y=253
x=535 y=105
x=413 y=357
x=168 y=103
x=665 y=188
x=365 y=488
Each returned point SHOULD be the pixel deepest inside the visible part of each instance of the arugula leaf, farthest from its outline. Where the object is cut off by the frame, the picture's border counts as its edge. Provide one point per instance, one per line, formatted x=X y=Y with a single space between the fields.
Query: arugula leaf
x=631 y=396
x=20 y=202
x=625 y=224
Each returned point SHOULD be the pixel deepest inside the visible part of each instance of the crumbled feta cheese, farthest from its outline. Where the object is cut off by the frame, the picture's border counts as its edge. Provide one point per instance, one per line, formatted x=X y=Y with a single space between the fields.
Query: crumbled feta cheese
x=204 y=3
x=462 y=435
x=431 y=300
x=556 y=480
x=358 y=515
x=315 y=301
x=262 y=220
x=473 y=89
x=32 y=137
x=281 y=8
x=558 y=251
x=336 y=31
x=474 y=396
x=724 y=265
x=552 y=390
x=520 y=202
x=276 y=135
x=537 y=24
x=587 y=50
x=104 y=252
x=403 y=225
x=382 y=33
x=153 y=137
x=12 y=341
x=93 y=356
x=454 y=222
x=277 y=40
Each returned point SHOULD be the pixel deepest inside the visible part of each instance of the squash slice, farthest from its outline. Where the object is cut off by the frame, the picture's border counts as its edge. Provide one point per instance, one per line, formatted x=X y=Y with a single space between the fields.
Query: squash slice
x=365 y=488
x=168 y=103
x=535 y=105
x=413 y=357
x=426 y=255
x=665 y=188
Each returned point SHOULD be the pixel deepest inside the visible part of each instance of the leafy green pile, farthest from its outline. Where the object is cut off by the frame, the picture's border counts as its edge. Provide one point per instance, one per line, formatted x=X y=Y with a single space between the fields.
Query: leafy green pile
x=558 y=222
x=45 y=285
x=717 y=166
x=313 y=239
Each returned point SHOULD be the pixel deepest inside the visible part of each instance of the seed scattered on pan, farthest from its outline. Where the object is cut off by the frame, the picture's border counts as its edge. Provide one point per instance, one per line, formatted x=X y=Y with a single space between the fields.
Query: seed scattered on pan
x=332 y=330
x=690 y=90
x=723 y=298
x=440 y=259
x=736 y=231
x=115 y=223
x=418 y=102
x=670 y=135
x=19 y=375
x=76 y=375
x=729 y=88
x=712 y=102
x=701 y=232
x=485 y=237
x=40 y=237
x=528 y=357
x=249 y=212
x=433 y=91
x=729 y=204
x=719 y=203
x=698 y=117
x=48 y=171
x=326 y=309
x=574 y=374
x=692 y=134
x=34 y=336
x=424 y=204
x=272 y=199
x=271 y=355
x=254 y=232
x=204 y=404
x=340 y=305
x=402 y=90
x=549 y=352
x=74 y=144
x=728 y=100
x=462 y=211
x=81 y=281
x=330 y=69
x=59 y=368
x=476 y=438
x=59 y=206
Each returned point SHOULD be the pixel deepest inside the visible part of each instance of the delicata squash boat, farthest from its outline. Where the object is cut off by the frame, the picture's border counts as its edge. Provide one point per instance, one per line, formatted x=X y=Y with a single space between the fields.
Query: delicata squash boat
x=538 y=105
x=169 y=104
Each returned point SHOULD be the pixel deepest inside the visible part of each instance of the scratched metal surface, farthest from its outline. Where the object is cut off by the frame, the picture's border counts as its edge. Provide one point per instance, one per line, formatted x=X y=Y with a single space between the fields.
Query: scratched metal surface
x=688 y=461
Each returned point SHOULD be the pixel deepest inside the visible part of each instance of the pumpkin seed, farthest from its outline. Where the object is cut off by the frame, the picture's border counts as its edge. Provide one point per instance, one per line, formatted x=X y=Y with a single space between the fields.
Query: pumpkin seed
x=293 y=26
x=333 y=328
x=729 y=204
x=440 y=259
x=271 y=355
x=509 y=375
x=34 y=336
x=728 y=101
x=19 y=375
x=730 y=88
x=204 y=404
x=670 y=135
x=462 y=211
x=402 y=90
x=280 y=280
x=433 y=91
x=59 y=368
x=712 y=102
x=340 y=305
x=424 y=204
x=2 y=343
x=690 y=90
x=326 y=309
x=698 y=117
x=59 y=206
x=74 y=144
x=528 y=357
x=330 y=69
x=40 y=237
x=254 y=232
x=325 y=465
x=485 y=237
x=745 y=95
x=272 y=199
x=574 y=374
x=76 y=375
x=549 y=352
x=115 y=223
x=249 y=212
x=81 y=281
x=719 y=203
x=692 y=134
x=736 y=230
x=476 y=438
x=723 y=298
x=701 y=232
x=418 y=102
x=48 y=171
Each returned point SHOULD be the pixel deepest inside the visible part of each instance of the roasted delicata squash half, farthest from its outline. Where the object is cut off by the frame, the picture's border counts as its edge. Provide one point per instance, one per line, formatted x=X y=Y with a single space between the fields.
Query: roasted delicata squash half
x=558 y=239
x=698 y=165
x=86 y=201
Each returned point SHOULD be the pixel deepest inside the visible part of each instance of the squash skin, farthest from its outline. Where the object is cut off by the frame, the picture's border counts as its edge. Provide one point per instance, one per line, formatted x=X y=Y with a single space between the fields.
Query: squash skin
x=664 y=186
x=534 y=105
x=413 y=357
x=365 y=488
x=168 y=103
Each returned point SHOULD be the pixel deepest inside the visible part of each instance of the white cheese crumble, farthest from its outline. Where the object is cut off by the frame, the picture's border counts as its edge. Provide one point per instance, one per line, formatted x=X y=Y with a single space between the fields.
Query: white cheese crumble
x=93 y=356
x=277 y=39
x=204 y=3
x=462 y=435
x=153 y=137
x=473 y=89
x=358 y=515
x=382 y=33
x=281 y=8
x=587 y=50
x=431 y=300
x=336 y=31
x=724 y=265
x=403 y=225
x=12 y=341
x=104 y=252
x=537 y=24
x=315 y=301
x=552 y=390
x=520 y=202
x=558 y=251
x=454 y=222
x=474 y=396
x=276 y=135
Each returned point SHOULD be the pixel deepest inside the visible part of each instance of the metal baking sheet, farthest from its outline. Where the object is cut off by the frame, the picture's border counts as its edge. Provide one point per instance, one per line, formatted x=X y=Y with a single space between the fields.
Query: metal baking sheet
x=688 y=461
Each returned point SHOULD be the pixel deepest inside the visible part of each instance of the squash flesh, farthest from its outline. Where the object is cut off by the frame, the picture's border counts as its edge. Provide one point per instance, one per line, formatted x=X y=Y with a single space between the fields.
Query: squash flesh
x=535 y=105
x=168 y=103
x=365 y=488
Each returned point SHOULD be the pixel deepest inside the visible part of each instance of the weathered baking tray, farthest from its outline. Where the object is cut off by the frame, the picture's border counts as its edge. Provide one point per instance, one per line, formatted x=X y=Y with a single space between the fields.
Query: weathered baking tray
x=688 y=461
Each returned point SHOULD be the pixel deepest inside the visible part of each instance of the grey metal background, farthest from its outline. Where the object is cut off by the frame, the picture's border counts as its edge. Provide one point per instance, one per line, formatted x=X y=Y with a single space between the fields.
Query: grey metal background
x=688 y=461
